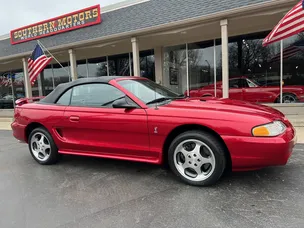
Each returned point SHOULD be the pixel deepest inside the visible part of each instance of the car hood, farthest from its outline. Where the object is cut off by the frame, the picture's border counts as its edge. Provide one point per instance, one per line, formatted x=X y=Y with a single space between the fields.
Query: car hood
x=226 y=105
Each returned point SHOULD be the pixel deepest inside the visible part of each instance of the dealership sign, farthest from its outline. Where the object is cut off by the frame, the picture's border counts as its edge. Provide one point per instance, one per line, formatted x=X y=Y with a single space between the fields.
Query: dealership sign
x=64 y=23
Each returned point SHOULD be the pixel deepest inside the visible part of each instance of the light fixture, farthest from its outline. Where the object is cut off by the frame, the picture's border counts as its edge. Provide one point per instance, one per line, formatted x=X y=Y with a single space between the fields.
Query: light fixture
x=297 y=67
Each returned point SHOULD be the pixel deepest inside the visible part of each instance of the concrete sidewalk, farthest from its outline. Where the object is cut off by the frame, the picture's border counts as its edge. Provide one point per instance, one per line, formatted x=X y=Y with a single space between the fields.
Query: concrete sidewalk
x=5 y=123
x=296 y=120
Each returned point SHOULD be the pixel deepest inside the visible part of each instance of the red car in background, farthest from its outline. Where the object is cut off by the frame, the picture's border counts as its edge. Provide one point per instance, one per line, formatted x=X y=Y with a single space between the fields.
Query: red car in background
x=243 y=88
x=133 y=118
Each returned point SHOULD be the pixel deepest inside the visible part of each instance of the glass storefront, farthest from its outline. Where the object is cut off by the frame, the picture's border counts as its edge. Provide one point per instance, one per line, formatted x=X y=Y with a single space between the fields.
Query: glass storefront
x=293 y=88
x=119 y=65
x=254 y=70
x=201 y=64
x=175 y=68
x=11 y=88
x=97 y=67
x=82 y=69
x=195 y=68
x=147 y=64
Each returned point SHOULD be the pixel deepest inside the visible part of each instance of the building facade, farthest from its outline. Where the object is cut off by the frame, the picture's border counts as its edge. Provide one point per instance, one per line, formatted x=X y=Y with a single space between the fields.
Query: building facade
x=197 y=47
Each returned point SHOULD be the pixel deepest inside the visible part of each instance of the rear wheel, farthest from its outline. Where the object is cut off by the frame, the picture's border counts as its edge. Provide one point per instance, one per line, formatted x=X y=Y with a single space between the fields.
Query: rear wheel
x=288 y=98
x=42 y=147
x=197 y=157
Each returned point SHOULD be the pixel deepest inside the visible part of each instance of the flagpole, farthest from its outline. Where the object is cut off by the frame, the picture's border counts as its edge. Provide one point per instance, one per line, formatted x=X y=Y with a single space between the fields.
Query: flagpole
x=43 y=47
x=281 y=75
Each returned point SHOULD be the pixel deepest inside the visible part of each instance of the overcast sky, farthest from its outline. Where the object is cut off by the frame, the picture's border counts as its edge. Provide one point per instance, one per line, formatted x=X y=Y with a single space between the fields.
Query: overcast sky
x=18 y=13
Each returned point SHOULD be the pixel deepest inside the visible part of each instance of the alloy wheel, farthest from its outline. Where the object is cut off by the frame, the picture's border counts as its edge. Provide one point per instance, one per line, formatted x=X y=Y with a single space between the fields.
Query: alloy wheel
x=194 y=160
x=40 y=146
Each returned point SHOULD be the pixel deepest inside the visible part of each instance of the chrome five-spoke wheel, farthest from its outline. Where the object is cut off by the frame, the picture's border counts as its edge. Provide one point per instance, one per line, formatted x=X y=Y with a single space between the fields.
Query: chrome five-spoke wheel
x=42 y=146
x=197 y=157
x=194 y=160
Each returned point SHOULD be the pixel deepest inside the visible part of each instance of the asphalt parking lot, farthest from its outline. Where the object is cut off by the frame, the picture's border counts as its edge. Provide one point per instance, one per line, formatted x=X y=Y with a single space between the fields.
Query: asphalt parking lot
x=89 y=192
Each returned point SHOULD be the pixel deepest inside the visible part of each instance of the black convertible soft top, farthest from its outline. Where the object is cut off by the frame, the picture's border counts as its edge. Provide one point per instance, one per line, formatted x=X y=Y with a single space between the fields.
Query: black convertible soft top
x=63 y=87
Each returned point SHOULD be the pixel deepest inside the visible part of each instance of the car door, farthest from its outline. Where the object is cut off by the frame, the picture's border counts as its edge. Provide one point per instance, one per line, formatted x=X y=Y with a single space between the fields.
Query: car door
x=90 y=127
x=254 y=93
x=235 y=89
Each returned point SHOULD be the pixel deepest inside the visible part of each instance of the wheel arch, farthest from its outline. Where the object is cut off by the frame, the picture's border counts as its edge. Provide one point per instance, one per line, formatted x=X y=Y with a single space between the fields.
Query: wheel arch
x=188 y=127
x=30 y=127
x=277 y=99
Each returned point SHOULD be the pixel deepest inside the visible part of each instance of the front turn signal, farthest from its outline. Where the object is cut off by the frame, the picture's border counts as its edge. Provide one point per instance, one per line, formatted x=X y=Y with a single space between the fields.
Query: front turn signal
x=269 y=130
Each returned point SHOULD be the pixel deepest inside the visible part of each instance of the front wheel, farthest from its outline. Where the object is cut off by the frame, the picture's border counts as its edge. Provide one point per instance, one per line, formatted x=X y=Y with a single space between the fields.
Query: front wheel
x=288 y=98
x=197 y=157
x=42 y=147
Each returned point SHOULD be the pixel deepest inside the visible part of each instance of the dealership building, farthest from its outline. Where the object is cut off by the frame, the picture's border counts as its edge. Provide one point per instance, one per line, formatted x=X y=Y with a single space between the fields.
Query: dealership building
x=183 y=45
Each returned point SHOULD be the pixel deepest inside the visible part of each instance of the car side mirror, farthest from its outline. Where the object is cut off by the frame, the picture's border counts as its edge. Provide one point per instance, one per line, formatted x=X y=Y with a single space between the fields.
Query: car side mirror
x=123 y=103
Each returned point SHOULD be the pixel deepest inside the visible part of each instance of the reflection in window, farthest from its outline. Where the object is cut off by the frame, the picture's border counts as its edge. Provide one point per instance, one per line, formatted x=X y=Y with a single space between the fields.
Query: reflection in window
x=65 y=98
x=201 y=64
x=293 y=76
x=6 y=91
x=249 y=59
x=82 y=70
x=97 y=67
x=146 y=90
x=119 y=65
x=147 y=64
x=18 y=84
x=95 y=95
x=175 y=72
x=48 y=83
x=61 y=75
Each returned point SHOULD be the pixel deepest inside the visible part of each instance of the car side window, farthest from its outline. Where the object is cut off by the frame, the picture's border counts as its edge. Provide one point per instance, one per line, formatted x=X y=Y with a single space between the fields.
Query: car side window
x=95 y=95
x=65 y=98
x=250 y=84
x=234 y=83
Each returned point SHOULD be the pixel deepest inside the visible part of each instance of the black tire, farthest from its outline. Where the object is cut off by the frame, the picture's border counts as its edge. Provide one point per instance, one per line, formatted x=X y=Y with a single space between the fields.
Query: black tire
x=53 y=154
x=290 y=95
x=213 y=143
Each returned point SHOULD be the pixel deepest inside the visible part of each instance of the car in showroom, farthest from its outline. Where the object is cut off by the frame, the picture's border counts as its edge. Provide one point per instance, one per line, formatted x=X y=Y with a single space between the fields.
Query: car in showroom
x=243 y=88
x=135 y=119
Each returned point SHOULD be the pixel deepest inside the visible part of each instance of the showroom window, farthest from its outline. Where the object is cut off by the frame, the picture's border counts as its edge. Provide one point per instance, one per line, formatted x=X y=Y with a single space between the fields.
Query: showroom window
x=11 y=88
x=197 y=68
x=97 y=67
x=175 y=68
x=201 y=64
x=293 y=68
x=82 y=69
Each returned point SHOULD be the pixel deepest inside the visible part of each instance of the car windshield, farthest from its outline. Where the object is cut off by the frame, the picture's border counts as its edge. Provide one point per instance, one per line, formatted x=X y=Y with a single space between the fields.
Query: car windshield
x=253 y=83
x=148 y=91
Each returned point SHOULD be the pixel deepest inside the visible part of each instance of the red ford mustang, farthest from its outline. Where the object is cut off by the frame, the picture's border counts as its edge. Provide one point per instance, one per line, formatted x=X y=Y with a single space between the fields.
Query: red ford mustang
x=133 y=118
x=243 y=88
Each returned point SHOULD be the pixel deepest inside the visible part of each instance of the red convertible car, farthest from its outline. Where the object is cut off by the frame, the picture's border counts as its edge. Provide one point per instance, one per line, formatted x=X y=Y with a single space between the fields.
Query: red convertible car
x=133 y=118
x=243 y=88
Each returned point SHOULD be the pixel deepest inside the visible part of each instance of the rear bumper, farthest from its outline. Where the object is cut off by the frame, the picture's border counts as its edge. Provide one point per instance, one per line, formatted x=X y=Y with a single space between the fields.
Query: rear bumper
x=249 y=153
x=19 y=131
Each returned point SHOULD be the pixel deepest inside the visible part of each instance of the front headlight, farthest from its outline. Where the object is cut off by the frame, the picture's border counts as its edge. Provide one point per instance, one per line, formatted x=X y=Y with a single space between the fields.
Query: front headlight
x=269 y=130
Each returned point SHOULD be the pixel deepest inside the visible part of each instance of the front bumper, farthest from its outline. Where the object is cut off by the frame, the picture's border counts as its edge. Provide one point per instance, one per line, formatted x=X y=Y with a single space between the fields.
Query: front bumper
x=250 y=153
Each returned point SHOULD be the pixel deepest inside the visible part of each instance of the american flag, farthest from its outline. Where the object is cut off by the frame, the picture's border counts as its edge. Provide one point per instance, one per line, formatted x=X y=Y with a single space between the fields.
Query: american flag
x=37 y=62
x=291 y=24
x=290 y=51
